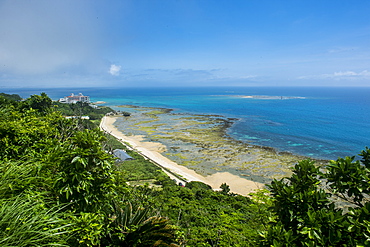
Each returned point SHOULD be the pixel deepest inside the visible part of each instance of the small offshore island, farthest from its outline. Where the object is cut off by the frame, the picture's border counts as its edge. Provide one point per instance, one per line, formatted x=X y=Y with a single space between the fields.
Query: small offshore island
x=267 y=97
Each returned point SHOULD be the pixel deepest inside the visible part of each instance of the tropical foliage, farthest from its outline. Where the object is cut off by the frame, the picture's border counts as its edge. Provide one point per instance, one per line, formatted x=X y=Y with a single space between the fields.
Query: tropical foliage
x=60 y=186
x=322 y=207
x=82 y=109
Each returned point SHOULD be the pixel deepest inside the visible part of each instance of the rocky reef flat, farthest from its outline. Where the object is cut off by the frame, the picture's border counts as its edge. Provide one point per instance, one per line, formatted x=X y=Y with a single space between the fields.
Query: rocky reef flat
x=201 y=143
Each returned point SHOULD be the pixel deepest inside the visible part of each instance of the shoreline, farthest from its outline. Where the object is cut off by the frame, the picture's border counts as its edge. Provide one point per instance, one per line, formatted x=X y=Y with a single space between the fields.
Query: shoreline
x=153 y=151
x=228 y=122
x=201 y=142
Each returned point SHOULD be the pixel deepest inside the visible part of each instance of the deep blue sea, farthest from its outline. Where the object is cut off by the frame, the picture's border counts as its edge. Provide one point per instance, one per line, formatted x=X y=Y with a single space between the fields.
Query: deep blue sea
x=322 y=123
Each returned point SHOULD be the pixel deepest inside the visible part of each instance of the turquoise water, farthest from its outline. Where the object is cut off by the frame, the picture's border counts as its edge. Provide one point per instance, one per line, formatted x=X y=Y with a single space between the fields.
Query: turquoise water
x=318 y=122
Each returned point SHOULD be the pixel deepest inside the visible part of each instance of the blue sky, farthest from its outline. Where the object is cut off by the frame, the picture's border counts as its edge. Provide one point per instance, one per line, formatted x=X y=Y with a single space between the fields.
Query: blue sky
x=184 y=43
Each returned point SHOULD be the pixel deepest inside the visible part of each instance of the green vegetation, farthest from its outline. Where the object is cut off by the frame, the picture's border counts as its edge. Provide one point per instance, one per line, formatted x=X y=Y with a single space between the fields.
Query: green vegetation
x=60 y=186
x=139 y=168
x=210 y=218
x=307 y=210
x=82 y=109
x=11 y=97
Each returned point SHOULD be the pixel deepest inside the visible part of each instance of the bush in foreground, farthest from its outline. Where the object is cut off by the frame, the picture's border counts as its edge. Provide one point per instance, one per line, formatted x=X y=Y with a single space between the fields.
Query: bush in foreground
x=306 y=205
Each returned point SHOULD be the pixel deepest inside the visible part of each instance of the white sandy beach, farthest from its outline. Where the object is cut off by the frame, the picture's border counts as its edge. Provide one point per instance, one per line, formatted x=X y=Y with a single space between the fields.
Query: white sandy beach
x=153 y=151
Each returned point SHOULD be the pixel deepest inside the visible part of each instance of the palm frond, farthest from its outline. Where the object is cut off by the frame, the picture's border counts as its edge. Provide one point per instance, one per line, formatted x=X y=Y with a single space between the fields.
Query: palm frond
x=26 y=222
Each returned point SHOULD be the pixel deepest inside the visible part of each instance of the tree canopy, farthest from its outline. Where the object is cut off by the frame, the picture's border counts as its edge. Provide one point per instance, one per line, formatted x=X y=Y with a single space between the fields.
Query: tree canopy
x=322 y=207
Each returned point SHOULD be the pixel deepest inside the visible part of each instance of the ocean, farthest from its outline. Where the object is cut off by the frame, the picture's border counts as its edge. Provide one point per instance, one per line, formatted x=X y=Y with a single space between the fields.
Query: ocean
x=322 y=123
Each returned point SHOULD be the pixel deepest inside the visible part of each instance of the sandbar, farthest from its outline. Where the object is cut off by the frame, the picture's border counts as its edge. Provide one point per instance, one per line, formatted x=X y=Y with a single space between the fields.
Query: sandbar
x=153 y=151
x=267 y=97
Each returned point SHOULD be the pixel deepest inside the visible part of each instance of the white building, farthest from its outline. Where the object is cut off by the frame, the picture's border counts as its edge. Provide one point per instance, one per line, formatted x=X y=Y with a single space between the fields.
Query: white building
x=75 y=98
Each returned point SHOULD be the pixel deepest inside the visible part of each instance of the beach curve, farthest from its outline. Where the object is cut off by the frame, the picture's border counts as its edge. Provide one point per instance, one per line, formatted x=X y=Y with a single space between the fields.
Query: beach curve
x=152 y=150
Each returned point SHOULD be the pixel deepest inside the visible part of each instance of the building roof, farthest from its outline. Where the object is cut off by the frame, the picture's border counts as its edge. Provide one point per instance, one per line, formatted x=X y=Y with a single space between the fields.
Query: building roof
x=75 y=98
x=122 y=155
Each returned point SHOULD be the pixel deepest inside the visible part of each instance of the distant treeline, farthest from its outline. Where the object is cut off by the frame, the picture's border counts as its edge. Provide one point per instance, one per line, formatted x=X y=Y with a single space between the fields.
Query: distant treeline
x=82 y=109
x=75 y=109
x=14 y=97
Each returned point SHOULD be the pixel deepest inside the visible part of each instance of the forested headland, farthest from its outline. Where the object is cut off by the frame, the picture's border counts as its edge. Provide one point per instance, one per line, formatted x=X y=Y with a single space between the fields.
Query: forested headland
x=61 y=186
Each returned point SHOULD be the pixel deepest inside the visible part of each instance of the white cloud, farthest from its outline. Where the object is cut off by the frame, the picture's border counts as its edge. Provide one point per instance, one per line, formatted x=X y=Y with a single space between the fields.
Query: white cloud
x=363 y=73
x=341 y=75
x=114 y=69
